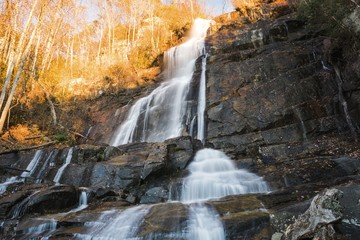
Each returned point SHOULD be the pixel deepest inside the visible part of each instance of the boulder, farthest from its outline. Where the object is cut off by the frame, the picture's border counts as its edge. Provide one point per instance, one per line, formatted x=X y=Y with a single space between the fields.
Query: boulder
x=324 y=209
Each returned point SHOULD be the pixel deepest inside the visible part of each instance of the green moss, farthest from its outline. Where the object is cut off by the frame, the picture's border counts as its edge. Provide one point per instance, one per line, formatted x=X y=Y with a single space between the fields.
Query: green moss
x=100 y=156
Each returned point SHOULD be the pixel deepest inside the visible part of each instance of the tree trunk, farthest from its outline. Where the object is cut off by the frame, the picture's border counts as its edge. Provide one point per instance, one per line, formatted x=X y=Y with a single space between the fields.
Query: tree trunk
x=9 y=100
x=7 y=81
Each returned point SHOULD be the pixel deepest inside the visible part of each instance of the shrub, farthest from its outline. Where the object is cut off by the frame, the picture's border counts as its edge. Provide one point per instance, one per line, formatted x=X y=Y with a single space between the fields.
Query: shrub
x=240 y=4
x=61 y=137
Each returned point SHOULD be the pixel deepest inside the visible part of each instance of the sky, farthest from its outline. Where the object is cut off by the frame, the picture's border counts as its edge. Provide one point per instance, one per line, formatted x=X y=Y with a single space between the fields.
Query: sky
x=217 y=7
x=214 y=7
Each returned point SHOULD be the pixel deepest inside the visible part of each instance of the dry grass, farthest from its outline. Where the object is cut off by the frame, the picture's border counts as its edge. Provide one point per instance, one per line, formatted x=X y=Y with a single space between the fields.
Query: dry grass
x=24 y=134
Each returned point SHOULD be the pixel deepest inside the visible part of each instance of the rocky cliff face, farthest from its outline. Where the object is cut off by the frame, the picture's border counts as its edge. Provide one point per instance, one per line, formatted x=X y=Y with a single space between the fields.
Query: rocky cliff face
x=282 y=101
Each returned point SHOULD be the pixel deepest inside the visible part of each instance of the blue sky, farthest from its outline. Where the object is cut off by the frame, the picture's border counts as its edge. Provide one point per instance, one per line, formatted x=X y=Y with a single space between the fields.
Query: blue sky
x=216 y=6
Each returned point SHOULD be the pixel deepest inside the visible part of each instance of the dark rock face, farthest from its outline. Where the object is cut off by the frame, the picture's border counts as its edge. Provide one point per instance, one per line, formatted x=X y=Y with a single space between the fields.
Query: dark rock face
x=38 y=200
x=274 y=105
x=54 y=199
x=273 y=102
x=131 y=164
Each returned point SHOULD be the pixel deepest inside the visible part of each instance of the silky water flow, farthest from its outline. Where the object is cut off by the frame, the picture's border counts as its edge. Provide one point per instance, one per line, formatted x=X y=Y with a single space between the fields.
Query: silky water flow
x=160 y=116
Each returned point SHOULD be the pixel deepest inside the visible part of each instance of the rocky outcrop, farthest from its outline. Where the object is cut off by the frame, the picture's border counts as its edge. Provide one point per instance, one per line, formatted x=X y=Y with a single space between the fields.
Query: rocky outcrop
x=274 y=102
x=274 y=105
x=133 y=164
x=315 y=222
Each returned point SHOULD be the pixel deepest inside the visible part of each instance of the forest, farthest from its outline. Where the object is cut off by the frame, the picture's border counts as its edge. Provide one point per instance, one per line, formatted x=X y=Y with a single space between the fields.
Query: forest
x=55 y=53
x=154 y=119
x=56 y=50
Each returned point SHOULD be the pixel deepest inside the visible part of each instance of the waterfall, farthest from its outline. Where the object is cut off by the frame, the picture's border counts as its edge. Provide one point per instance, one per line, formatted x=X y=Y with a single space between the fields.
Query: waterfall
x=8 y=181
x=20 y=208
x=202 y=103
x=48 y=227
x=204 y=223
x=83 y=202
x=160 y=115
x=116 y=225
x=213 y=175
x=30 y=169
x=45 y=166
x=60 y=172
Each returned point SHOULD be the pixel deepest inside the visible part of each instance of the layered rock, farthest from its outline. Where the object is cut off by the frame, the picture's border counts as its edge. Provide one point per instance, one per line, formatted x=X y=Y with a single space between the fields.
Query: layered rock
x=274 y=104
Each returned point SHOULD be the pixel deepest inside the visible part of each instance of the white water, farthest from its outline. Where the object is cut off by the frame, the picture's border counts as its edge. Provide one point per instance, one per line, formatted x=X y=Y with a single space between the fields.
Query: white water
x=41 y=228
x=21 y=207
x=45 y=166
x=11 y=180
x=204 y=223
x=160 y=115
x=60 y=172
x=116 y=225
x=213 y=175
x=202 y=103
x=83 y=202
x=30 y=169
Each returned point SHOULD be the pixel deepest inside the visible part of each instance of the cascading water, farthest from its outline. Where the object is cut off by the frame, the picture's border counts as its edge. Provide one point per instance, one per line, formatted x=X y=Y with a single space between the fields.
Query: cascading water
x=62 y=168
x=160 y=115
x=213 y=175
x=83 y=202
x=8 y=181
x=46 y=165
x=119 y=225
x=204 y=223
x=45 y=228
x=30 y=169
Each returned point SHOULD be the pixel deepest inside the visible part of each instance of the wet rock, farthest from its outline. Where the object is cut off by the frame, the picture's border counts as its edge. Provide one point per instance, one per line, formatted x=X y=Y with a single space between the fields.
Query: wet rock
x=9 y=201
x=54 y=199
x=164 y=220
x=181 y=150
x=244 y=217
x=155 y=195
x=324 y=209
x=130 y=165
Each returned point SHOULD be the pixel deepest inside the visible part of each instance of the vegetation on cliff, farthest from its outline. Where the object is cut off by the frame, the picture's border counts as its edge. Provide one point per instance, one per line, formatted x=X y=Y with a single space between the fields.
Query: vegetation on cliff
x=53 y=54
